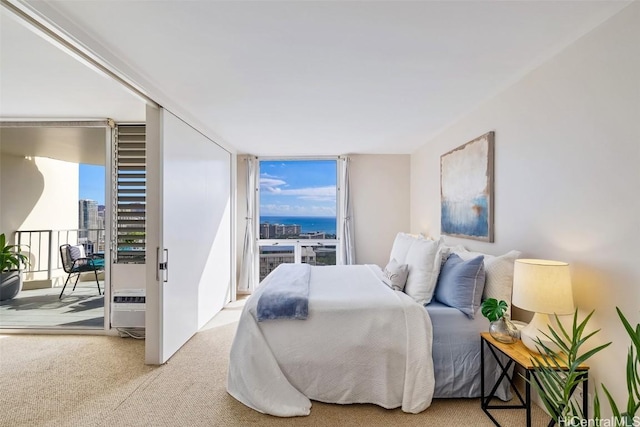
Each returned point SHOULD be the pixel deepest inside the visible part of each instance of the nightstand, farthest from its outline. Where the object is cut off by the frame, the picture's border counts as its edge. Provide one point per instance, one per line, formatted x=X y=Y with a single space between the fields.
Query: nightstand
x=519 y=355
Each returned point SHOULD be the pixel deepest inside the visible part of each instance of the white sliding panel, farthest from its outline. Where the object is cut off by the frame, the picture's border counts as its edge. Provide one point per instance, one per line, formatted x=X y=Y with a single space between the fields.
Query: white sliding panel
x=191 y=232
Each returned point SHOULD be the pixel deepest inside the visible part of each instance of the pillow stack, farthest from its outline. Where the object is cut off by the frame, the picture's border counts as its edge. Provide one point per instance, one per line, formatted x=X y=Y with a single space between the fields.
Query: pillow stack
x=425 y=270
x=422 y=258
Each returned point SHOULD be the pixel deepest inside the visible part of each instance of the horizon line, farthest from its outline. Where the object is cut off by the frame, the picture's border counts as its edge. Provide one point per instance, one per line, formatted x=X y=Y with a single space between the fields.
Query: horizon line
x=299 y=216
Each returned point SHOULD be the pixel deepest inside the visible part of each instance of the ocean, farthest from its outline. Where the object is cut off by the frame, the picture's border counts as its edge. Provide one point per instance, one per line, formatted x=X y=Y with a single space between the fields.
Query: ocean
x=307 y=224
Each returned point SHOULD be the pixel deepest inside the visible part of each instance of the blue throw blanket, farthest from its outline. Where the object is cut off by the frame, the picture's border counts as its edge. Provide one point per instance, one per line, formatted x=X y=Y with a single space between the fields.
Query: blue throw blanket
x=286 y=293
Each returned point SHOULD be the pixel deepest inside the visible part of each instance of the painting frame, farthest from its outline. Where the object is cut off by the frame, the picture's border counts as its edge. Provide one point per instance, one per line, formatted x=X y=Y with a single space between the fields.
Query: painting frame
x=466 y=190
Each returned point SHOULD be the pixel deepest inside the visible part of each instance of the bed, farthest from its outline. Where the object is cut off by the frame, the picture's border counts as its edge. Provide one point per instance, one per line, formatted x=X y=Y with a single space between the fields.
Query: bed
x=361 y=341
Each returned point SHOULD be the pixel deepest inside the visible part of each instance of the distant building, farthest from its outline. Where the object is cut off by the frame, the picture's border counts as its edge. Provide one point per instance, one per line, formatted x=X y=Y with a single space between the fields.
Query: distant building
x=267 y=231
x=88 y=213
x=101 y=216
x=308 y=255
x=284 y=230
x=278 y=231
x=88 y=220
x=314 y=235
x=101 y=225
x=273 y=256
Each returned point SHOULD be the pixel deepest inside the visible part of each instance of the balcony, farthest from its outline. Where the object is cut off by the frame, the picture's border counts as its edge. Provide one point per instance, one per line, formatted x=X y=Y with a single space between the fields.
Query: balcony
x=38 y=304
x=45 y=269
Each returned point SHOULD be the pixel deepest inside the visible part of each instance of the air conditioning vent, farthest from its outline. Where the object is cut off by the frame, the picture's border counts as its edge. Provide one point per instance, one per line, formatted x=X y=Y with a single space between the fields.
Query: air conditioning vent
x=128 y=308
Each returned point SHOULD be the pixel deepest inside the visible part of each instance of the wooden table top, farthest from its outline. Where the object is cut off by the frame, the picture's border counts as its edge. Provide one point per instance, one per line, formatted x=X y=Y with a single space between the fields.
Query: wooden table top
x=522 y=355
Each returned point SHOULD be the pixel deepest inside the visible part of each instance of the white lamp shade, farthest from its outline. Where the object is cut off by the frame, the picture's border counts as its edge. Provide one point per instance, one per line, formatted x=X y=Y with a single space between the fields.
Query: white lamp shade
x=542 y=286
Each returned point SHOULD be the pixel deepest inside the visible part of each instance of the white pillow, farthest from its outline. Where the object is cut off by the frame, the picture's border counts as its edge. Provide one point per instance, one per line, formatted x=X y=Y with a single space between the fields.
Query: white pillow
x=424 y=260
x=499 y=274
x=76 y=252
x=395 y=275
x=401 y=245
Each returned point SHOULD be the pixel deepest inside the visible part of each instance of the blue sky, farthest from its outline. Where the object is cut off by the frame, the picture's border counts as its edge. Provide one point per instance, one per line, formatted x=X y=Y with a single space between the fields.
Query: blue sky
x=298 y=188
x=92 y=183
x=287 y=188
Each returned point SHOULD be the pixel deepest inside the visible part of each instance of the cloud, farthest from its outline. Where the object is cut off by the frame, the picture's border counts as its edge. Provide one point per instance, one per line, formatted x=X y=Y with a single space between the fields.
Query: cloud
x=319 y=198
x=296 y=210
x=271 y=184
x=307 y=197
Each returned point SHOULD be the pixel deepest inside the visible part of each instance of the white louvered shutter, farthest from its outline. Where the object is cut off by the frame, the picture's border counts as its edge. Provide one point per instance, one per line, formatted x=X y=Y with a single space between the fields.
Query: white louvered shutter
x=129 y=209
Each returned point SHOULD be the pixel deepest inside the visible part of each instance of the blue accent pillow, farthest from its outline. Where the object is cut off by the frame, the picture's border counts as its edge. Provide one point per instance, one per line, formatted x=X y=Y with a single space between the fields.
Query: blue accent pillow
x=460 y=284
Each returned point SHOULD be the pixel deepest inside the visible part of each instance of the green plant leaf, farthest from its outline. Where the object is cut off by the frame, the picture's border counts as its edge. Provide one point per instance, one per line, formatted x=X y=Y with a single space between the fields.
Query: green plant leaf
x=10 y=256
x=633 y=382
x=634 y=335
x=587 y=355
x=596 y=407
x=557 y=383
x=493 y=309
x=612 y=403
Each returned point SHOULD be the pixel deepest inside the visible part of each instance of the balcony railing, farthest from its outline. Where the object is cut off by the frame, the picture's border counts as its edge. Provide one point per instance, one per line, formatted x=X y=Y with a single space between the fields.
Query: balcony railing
x=44 y=246
x=314 y=252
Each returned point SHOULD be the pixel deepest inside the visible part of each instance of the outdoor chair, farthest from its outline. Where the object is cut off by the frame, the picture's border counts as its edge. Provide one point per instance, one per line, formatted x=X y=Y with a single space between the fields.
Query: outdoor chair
x=75 y=262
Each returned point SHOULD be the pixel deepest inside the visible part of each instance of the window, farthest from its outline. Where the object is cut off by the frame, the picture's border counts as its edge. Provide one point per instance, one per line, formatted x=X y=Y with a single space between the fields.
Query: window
x=298 y=213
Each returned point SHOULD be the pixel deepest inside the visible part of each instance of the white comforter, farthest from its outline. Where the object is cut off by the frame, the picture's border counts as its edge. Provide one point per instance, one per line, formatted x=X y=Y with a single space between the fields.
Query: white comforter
x=362 y=343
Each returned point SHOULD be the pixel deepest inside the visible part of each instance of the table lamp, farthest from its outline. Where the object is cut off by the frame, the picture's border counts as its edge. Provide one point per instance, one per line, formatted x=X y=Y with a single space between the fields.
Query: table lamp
x=544 y=287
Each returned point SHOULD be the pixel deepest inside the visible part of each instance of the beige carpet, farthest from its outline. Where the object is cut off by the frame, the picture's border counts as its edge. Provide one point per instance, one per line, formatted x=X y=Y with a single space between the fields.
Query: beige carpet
x=102 y=381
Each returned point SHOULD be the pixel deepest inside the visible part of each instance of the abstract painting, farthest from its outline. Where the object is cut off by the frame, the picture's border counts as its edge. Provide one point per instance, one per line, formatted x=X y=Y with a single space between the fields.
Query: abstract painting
x=466 y=190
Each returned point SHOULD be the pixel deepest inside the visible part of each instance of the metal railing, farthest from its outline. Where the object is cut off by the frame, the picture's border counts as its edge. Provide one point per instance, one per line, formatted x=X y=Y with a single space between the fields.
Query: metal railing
x=44 y=246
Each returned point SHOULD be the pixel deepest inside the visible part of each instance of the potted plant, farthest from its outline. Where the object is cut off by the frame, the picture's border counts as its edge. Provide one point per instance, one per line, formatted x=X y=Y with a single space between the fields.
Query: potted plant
x=10 y=275
x=628 y=417
x=501 y=328
x=556 y=390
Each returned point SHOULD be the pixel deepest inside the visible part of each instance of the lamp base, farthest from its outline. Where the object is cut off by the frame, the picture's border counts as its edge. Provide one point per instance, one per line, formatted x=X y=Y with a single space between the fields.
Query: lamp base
x=533 y=332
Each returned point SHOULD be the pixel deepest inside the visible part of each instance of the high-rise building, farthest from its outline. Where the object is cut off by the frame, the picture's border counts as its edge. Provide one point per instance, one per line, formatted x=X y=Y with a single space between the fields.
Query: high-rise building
x=278 y=231
x=273 y=256
x=267 y=231
x=101 y=215
x=313 y=235
x=284 y=230
x=88 y=220
x=101 y=226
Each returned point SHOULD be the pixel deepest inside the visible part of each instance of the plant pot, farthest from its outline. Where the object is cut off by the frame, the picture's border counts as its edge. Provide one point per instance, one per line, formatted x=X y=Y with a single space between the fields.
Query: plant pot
x=10 y=284
x=504 y=331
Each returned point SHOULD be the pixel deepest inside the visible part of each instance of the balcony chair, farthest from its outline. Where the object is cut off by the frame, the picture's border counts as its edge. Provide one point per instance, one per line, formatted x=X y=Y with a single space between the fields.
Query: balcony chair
x=75 y=261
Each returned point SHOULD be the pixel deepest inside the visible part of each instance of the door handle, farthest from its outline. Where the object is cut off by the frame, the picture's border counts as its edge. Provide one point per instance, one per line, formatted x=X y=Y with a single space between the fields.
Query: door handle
x=164 y=265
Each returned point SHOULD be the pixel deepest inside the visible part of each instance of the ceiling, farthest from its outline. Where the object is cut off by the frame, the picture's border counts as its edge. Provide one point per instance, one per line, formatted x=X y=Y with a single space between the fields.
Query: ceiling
x=79 y=144
x=278 y=78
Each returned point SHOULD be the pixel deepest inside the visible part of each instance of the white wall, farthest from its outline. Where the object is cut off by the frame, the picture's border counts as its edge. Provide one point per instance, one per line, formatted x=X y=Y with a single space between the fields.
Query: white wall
x=38 y=193
x=567 y=176
x=380 y=195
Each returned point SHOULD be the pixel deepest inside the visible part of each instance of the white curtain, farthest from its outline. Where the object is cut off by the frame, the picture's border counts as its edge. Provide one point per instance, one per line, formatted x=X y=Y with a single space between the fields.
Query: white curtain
x=247 y=269
x=347 y=241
